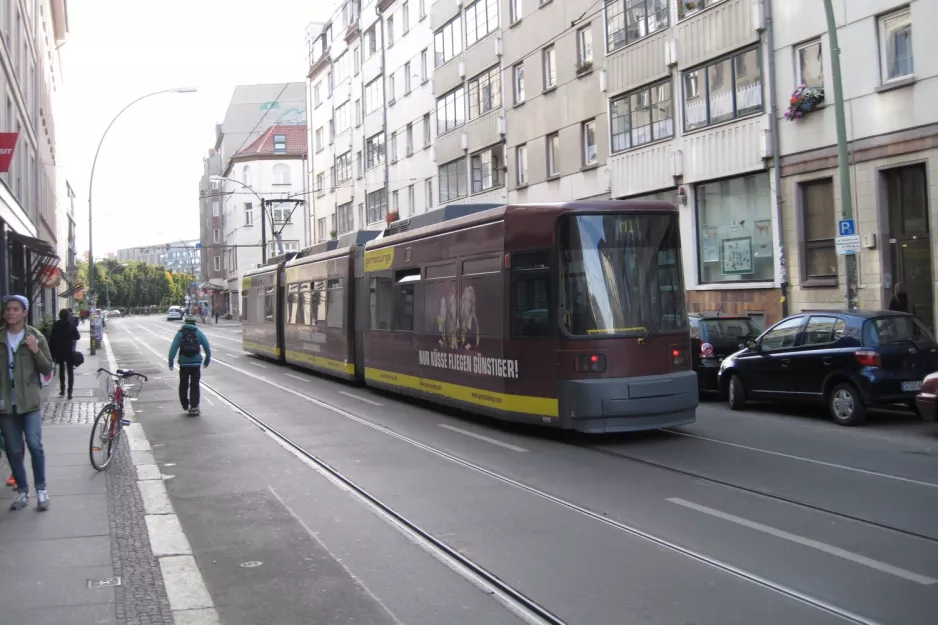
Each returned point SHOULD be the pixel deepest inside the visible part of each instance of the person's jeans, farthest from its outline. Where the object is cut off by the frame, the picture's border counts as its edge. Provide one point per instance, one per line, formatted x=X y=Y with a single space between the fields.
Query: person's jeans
x=63 y=366
x=189 y=385
x=14 y=427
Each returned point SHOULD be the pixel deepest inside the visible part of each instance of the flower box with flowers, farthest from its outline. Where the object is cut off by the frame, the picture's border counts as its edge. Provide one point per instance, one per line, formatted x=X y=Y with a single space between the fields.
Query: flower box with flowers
x=392 y=217
x=804 y=99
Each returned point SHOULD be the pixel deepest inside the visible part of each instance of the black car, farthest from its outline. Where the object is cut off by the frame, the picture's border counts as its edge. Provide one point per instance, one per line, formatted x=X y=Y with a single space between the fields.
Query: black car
x=847 y=360
x=713 y=337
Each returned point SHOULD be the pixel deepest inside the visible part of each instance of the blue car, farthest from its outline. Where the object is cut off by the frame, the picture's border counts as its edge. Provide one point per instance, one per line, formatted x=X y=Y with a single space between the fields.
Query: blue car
x=845 y=360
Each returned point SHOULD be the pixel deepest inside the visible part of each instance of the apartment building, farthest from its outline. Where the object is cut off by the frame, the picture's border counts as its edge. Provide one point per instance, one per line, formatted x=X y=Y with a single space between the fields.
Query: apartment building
x=556 y=110
x=210 y=223
x=180 y=256
x=888 y=77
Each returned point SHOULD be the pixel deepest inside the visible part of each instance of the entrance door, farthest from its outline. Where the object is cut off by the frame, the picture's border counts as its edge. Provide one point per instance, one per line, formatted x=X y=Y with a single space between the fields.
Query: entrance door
x=909 y=240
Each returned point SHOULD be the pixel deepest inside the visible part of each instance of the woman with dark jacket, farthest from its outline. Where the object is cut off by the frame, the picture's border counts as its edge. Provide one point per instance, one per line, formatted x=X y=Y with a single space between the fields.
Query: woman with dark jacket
x=900 y=300
x=62 y=346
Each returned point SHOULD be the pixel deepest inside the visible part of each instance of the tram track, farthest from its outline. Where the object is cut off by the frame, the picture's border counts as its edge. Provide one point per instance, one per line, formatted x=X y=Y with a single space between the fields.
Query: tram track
x=512 y=598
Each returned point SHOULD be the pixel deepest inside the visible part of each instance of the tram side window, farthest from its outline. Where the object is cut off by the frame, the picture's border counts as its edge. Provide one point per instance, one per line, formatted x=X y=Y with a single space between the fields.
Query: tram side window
x=293 y=303
x=481 y=310
x=381 y=302
x=530 y=295
x=305 y=316
x=269 y=305
x=404 y=298
x=244 y=306
x=335 y=304
x=319 y=303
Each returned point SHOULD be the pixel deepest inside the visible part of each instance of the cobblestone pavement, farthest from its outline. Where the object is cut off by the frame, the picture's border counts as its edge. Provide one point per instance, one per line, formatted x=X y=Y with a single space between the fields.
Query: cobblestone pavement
x=70 y=412
x=141 y=598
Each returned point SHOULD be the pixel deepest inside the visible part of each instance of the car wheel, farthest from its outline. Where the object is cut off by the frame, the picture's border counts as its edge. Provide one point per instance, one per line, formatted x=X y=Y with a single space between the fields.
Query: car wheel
x=737 y=393
x=846 y=406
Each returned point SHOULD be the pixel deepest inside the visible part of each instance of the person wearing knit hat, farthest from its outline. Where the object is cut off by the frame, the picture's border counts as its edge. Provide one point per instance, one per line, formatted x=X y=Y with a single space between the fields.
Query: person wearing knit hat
x=20 y=400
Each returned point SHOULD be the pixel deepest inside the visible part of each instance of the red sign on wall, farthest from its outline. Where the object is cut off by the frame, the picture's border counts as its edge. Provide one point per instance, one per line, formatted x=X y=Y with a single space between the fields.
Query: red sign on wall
x=7 y=146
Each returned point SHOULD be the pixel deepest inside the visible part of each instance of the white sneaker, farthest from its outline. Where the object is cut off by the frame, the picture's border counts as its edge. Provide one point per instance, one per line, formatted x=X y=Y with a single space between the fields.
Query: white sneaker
x=20 y=501
x=42 y=502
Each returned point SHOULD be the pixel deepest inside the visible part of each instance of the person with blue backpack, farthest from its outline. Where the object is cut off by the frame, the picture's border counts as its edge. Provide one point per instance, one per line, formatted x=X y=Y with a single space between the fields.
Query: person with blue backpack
x=189 y=342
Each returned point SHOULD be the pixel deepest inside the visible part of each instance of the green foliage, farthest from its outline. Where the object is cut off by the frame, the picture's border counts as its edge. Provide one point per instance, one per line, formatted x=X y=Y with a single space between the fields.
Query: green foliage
x=134 y=285
x=45 y=326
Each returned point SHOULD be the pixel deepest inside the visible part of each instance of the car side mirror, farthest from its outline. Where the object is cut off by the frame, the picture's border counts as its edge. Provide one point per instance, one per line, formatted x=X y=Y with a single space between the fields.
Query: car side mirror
x=754 y=345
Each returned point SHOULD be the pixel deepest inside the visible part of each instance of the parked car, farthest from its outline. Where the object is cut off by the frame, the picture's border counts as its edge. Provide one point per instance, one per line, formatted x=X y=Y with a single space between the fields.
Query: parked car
x=114 y=313
x=175 y=313
x=846 y=360
x=927 y=399
x=713 y=337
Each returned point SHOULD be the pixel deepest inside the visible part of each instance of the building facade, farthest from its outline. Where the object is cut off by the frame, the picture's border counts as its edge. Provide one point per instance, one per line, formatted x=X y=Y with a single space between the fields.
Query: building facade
x=888 y=77
x=31 y=92
x=176 y=256
x=272 y=169
x=211 y=254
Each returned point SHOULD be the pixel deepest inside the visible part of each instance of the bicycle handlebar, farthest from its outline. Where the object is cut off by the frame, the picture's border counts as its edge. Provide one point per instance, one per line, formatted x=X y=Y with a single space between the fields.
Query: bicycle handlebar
x=124 y=374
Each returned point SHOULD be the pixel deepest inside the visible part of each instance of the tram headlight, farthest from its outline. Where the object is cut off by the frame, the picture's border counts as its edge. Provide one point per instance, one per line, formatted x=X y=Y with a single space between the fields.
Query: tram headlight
x=679 y=358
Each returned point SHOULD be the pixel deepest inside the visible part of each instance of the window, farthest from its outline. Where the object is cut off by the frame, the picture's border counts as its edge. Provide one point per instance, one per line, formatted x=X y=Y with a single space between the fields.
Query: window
x=405 y=16
x=641 y=117
x=447 y=42
x=423 y=8
x=381 y=302
x=550 y=68
x=215 y=208
x=521 y=164
x=818 y=217
x=823 y=330
x=405 y=280
x=320 y=184
x=248 y=214
x=390 y=31
x=376 y=204
x=895 y=43
x=321 y=229
x=584 y=46
x=215 y=183
x=724 y=90
x=630 y=20
x=343 y=118
x=485 y=93
x=343 y=218
x=451 y=111
x=361 y=214
x=391 y=89
x=406 y=77
x=590 y=157
x=356 y=60
x=409 y=139
x=319 y=143
x=331 y=131
x=359 y=170
x=317 y=93
x=280 y=215
x=245 y=174
x=430 y=197
x=518 y=71
x=332 y=178
x=281 y=174
x=424 y=66
x=216 y=235
x=514 y=10
x=358 y=113
x=343 y=168
x=280 y=144
x=371 y=42
x=553 y=155
x=396 y=201
x=393 y=144
x=481 y=19
x=427 y=136
x=486 y=166
x=217 y=263
x=340 y=69
x=782 y=336
x=808 y=67
x=273 y=249
x=686 y=9
x=330 y=83
x=734 y=227
x=412 y=199
x=454 y=182
x=529 y=312
x=374 y=95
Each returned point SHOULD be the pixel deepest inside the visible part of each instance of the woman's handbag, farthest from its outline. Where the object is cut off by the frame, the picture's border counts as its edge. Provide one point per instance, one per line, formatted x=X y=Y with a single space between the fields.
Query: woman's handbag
x=78 y=359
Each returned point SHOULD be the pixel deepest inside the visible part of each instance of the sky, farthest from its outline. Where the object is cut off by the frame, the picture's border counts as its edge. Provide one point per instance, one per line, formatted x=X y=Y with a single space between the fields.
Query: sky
x=146 y=178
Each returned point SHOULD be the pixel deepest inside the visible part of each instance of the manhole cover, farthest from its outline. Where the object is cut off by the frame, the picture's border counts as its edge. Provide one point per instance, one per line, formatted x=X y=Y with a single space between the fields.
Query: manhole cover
x=101 y=583
x=250 y=565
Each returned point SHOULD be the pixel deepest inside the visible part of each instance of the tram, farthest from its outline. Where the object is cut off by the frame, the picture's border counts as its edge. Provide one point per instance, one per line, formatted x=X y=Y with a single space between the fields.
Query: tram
x=569 y=315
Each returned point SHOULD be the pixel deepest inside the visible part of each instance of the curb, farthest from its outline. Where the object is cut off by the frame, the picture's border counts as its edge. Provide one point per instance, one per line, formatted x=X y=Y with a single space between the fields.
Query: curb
x=189 y=599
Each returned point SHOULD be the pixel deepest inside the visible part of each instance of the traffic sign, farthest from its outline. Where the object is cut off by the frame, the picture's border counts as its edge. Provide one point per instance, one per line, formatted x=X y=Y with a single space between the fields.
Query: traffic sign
x=846 y=227
x=847 y=245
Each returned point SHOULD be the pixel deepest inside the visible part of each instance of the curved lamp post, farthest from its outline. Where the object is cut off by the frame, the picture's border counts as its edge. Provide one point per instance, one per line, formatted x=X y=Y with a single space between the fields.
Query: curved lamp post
x=91 y=185
x=277 y=237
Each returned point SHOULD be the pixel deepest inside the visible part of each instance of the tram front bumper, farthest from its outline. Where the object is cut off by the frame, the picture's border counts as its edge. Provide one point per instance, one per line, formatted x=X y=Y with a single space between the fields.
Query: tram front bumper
x=629 y=404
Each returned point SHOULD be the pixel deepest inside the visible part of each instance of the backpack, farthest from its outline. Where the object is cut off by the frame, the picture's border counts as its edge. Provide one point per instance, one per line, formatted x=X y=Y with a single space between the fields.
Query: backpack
x=189 y=344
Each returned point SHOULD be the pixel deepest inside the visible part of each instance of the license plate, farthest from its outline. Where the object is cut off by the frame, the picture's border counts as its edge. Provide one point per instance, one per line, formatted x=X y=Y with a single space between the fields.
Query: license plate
x=911 y=386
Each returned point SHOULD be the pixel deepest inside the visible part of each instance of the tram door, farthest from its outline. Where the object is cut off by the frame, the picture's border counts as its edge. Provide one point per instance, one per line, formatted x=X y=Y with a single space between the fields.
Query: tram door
x=909 y=240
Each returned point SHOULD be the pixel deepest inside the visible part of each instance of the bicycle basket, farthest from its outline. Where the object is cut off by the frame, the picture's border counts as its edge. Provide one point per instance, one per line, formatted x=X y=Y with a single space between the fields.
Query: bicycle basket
x=132 y=387
x=106 y=386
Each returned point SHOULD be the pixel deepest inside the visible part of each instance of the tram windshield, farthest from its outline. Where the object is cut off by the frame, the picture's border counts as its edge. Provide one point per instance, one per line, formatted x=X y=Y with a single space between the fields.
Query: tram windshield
x=620 y=274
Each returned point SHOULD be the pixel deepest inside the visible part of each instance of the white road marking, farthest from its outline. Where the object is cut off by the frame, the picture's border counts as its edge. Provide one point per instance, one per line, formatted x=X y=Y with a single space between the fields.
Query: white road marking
x=257 y=364
x=232 y=356
x=296 y=377
x=807 y=542
x=210 y=402
x=354 y=396
x=482 y=438
x=811 y=460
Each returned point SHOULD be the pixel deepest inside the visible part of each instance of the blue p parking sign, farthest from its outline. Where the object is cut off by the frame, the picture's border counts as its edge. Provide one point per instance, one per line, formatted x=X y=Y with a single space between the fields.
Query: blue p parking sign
x=845 y=227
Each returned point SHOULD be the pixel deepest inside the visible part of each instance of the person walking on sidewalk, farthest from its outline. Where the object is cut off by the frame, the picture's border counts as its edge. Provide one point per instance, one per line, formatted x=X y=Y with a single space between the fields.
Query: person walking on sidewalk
x=62 y=345
x=20 y=401
x=189 y=342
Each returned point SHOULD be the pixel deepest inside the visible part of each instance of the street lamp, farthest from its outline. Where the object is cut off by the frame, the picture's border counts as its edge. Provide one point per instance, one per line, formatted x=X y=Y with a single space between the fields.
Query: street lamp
x=91 y=186
x=277 y=235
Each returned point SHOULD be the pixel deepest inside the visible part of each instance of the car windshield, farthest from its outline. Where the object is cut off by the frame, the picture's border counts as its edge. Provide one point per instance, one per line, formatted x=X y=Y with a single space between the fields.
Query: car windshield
x=723 y=330
x=621 y=274
x=896 y=329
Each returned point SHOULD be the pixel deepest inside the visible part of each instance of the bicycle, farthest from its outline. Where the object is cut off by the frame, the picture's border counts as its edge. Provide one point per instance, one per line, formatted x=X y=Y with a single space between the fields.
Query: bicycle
x=110 y=421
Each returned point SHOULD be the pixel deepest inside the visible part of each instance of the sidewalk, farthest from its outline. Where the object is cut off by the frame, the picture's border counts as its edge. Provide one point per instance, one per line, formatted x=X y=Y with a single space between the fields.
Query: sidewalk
x=88 y=559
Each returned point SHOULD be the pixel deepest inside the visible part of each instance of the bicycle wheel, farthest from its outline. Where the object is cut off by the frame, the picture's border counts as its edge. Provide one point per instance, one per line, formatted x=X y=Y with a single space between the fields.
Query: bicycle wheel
x=102 y=445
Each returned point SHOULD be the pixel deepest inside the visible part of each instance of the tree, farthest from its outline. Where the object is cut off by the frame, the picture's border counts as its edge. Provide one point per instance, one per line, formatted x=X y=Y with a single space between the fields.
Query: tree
x=134 y=284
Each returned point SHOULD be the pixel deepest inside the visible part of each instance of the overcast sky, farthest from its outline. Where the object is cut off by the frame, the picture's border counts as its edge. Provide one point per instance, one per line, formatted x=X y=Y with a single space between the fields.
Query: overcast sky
x=146 y=179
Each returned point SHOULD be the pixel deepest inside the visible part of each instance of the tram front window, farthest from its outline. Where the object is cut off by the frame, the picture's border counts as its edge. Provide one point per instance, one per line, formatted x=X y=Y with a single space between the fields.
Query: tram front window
x=620 y=275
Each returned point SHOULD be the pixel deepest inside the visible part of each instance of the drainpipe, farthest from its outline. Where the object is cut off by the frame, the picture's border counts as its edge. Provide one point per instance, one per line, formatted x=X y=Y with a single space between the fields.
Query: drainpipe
x=384 y=112
x=776 y=155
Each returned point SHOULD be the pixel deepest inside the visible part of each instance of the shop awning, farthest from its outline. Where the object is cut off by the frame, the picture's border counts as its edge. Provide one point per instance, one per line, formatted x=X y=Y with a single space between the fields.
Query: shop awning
x=72 y=290
x=42 y=264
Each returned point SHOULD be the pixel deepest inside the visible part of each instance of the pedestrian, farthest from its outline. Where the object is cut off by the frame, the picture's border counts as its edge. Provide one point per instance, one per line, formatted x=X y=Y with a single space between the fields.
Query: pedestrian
x=189 y=342
x=20 y=401
x=62 y=346
x=217 y=311
x=900 y=299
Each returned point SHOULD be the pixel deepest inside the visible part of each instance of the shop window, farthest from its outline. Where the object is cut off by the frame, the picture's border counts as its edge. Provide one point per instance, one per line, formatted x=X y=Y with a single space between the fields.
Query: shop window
x=818 y=217
x=734 y=227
